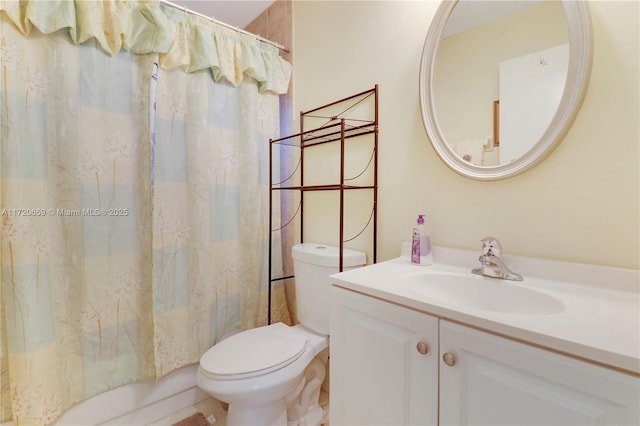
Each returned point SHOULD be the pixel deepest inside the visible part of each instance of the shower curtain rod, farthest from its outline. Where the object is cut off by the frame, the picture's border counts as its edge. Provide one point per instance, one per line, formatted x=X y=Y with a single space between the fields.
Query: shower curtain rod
x=212 y=19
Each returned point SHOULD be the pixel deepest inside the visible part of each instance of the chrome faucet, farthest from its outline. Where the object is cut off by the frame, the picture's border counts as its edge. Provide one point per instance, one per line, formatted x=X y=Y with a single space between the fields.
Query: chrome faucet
x=492 y=263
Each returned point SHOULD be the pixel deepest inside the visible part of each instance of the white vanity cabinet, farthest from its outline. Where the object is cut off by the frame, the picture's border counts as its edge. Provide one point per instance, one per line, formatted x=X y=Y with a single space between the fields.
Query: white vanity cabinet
x=384 y=363
x=498 y=381
x=467 y=376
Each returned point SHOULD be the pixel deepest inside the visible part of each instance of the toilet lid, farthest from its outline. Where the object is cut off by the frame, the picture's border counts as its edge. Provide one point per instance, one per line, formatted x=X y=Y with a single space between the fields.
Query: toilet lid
x=254 y=352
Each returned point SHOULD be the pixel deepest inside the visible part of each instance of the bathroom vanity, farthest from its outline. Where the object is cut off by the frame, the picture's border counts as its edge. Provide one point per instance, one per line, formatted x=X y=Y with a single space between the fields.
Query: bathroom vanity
x=438 y=345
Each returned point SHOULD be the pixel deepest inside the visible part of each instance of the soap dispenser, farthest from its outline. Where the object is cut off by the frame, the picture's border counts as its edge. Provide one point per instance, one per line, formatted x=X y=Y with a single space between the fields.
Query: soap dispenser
x=421 y=244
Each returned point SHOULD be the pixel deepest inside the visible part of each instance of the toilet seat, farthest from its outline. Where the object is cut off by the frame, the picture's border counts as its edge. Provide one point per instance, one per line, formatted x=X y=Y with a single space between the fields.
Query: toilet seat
x=253 y=352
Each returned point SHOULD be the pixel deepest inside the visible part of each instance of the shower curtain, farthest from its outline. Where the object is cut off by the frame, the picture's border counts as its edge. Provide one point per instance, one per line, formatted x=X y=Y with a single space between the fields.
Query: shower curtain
x=210 y=211
x=133 y=237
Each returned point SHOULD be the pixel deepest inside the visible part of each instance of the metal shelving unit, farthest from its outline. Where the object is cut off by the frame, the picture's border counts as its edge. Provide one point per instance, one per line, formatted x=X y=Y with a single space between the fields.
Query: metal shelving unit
x=338 y=126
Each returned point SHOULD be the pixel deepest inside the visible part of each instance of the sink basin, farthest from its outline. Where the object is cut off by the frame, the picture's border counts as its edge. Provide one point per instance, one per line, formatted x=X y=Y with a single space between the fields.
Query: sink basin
x=478 y=292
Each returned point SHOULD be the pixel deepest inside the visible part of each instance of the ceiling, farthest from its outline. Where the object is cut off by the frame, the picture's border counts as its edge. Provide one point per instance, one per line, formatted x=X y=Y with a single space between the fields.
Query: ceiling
x=237 y=13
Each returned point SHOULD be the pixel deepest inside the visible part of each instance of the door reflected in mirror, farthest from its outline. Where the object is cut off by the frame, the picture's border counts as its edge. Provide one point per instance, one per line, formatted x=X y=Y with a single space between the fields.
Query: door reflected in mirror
x=498 y=77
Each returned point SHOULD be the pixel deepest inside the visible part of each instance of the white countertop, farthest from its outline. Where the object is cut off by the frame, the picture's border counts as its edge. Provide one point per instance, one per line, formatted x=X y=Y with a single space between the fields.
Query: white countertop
x=600 y=322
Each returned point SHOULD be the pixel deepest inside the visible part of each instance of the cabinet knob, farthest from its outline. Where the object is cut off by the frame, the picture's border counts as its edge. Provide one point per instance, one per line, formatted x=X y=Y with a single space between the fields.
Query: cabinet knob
x=449 y=359
x=422 y=348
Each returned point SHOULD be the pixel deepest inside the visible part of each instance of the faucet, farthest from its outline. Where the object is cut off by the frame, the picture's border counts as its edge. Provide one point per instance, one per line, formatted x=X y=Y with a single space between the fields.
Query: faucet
x=492 y=263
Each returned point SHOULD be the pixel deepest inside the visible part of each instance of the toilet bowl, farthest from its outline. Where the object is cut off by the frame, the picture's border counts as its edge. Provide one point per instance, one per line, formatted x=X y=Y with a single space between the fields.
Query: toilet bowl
x=272 y=375
x=259 y=371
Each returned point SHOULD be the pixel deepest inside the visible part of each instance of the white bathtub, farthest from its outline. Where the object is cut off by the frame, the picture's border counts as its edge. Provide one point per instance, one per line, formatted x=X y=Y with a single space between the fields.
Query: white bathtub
x=138 y=403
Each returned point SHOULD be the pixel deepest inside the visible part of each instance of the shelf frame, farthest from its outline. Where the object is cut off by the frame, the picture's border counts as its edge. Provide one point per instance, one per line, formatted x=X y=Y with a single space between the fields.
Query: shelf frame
x=338 y=128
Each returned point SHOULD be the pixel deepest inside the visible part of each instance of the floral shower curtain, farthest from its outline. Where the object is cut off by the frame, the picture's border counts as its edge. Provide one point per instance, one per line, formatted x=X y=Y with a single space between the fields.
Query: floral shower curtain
x=210 y=207
x=123 y=259
x=76 y=256
x=209 y=204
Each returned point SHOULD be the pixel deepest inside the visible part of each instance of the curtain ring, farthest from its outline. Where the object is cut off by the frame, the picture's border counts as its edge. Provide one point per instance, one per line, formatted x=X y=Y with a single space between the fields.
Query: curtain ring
x=186 y=11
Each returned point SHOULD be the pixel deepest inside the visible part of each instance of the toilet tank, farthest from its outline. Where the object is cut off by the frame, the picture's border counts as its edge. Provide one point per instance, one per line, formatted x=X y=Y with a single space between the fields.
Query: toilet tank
x=312 y=265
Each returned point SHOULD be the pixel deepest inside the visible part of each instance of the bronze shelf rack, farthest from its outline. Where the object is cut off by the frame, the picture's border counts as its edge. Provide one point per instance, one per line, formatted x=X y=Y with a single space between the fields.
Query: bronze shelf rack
x=355 y=116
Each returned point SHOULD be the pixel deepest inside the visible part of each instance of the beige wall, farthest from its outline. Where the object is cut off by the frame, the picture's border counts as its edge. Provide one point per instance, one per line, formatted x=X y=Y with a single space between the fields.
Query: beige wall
x=581 y=204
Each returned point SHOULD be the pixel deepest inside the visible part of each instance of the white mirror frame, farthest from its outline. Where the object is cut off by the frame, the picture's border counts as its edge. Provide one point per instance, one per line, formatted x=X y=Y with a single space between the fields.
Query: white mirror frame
x=580 y=56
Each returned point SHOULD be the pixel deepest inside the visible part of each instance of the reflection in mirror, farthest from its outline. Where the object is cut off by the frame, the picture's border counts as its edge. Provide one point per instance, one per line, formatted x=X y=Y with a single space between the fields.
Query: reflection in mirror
x=502 y=81
x=513 y=55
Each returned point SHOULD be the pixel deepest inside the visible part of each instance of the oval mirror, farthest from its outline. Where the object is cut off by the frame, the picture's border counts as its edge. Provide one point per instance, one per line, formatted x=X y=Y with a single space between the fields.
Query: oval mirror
x=502 y=81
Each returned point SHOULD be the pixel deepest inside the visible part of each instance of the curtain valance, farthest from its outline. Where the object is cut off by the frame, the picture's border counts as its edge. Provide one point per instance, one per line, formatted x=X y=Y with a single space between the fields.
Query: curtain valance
x=144 y=26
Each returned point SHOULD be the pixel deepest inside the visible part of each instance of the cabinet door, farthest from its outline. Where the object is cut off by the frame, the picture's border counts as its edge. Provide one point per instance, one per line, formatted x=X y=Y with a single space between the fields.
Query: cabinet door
x=497 y=381
x=378 y=374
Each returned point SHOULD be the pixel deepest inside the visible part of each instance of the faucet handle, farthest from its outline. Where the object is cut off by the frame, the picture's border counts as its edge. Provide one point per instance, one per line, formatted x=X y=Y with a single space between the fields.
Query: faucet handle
x=491 y=247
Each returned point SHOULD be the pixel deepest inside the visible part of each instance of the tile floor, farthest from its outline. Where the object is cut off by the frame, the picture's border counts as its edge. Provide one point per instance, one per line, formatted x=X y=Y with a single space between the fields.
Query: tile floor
x=216 y=412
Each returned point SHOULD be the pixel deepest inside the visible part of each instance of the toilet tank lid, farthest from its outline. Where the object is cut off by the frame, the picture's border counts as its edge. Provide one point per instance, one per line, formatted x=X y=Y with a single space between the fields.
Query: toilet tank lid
x=324 y=255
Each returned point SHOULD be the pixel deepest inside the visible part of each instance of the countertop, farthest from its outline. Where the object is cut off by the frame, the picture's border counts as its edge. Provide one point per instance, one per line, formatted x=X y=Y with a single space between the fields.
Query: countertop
x=600 y=322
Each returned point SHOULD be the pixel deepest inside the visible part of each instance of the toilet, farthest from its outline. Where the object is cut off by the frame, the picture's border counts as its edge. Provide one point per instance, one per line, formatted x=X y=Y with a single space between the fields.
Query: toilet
x=272 y=375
